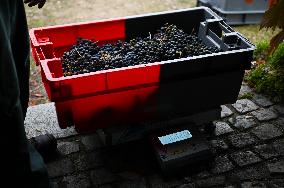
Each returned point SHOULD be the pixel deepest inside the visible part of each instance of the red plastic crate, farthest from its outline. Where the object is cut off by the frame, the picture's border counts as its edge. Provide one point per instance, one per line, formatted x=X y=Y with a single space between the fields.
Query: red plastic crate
x=143 y=92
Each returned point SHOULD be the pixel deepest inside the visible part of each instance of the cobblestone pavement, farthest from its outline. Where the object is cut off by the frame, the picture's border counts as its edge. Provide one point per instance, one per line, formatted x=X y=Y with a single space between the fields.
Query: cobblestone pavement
x=248 y=144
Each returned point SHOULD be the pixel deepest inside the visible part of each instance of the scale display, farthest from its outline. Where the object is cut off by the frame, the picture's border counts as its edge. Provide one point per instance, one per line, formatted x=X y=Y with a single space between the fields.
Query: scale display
x=175 y=137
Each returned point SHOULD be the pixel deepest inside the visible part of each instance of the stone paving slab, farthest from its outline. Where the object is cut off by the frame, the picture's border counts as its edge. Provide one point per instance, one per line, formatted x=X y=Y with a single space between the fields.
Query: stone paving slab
x=42 y=119
x=222 y=128
x=244 y=106
x=243 y=121
x=248 y=145
x=264 y=114
x=267 y=131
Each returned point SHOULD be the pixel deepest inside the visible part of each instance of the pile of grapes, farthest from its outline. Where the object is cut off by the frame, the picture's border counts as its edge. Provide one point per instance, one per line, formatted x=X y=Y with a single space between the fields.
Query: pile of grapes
x=169 y=42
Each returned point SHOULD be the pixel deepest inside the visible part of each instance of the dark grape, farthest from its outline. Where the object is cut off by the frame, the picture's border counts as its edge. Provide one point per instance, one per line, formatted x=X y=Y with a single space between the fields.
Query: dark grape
x=169 y=42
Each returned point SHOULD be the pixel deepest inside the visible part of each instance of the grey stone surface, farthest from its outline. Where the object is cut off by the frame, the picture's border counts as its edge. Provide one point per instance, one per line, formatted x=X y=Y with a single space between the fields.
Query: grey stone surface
x=276 y=183
x=241 y=140
x=244 y=106
x=244 y=122
x=279 y=146
x=222 y=164
x=140 y=183
x=189 y=185
x=276 y=168
x=251 y=173
x=219 y=145
x=267 y=131
x=91 y=142
x=243 y=158
x=279 y=108
x=244 y=90
x=54 y=184
x=102 y=176
x=129 y=175
x=86 y=161
x=77 y=181
x=266 y=151
x=158 y=182
x=42 y=119
x=222 y=128
x=279 y=122
x=203 y=174
x=210 y=182
x=225 y=111
x=253 y=185
x=67 y=148
x=264 y=114
x=60 y=167
x=261 y=100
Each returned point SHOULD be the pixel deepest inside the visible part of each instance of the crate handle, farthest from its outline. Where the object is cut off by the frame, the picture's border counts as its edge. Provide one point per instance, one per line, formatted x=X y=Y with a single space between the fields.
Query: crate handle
x=217 y=33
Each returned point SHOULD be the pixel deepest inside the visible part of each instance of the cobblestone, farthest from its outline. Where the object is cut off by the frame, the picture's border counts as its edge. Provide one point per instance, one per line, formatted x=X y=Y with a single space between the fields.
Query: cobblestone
x=222 y=164
x=91 y=142
x=76 y=181
x=243 y=158
x=244 y=106
x=279 y=109
x=244 y=122
x=102 y=176
x=210 y=182
x=279 y=146
x=266 y=151
x=189 y=185
x=219 y=145
x=276 y=183
x=222 y=128
x=249 y=152
x=264 y=114
x=253 y=185
x=279 y=122
x=54 y=184
x=267 y=131
x=158 y=182
x=251 y=173
x=67 y=148
x=225 y=111
x=261 y=100
x=86 y=161
x=203 y=174
x=60 y=167
x=276 y=168
x=230 y=186
x=141 y=183
x=241 y=140
x=244 y=90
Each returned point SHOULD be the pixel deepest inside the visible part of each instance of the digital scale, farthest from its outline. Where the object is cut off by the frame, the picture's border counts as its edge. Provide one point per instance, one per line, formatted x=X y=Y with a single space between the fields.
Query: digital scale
x=176 y=143
x=180 y=147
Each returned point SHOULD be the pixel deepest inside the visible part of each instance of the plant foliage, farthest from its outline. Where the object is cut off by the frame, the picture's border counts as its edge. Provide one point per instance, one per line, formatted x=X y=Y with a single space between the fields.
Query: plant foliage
x=273 y=18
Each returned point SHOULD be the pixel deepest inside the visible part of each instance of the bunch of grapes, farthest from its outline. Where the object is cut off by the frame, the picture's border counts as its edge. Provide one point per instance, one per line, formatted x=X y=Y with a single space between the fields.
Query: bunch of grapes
x=169 y=42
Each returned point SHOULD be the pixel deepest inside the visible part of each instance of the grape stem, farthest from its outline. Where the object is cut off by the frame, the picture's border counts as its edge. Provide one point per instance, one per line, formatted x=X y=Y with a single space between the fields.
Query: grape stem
x=78 y=52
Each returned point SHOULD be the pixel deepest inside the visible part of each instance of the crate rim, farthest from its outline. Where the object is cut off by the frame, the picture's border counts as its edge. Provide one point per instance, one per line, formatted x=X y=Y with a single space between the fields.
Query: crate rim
x=51 y=79
x=44 y=62
x=36 y=44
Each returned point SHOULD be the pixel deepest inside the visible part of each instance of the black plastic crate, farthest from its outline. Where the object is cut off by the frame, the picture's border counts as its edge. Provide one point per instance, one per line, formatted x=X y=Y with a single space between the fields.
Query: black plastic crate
x=155 y=91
